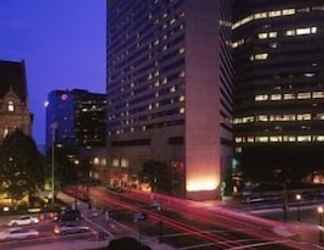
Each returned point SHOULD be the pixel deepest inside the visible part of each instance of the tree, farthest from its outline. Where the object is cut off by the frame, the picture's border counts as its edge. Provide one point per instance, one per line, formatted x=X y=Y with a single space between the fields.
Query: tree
x=65 y=169
x=157 y=174
x=21 y=166
x=126 y=243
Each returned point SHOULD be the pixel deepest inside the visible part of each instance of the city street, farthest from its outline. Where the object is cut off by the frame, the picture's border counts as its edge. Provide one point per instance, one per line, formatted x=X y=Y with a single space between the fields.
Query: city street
x=196 y=227
x=46 y=236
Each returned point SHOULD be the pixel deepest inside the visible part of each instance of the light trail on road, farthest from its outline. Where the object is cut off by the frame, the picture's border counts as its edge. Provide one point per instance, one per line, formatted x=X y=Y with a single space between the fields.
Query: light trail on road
x=217 y=240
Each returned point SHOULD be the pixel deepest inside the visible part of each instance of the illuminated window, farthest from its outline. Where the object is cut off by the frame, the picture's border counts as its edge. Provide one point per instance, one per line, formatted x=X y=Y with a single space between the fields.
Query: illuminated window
x=304 y=138
x=305 y=95
x=289 y=138
x=304 y=117
x=319 y=138
x=181 y=98
x=182 y=110
x=262 y=118
x=260 y=15
x=275 y=97
x=124 y=163
x=320 y=116
x=289 y=96
x=173 y=89
x=263 y=35
x=238 y=139
x=96 y=161
x=11 y=106
x=262 y=56
x=273 y=34
x=259 y=98
x=5 y=132
x=181 y=51
x=275 y=138
x=318 y=94
x=262 y=139
x=303 y=31
x=290 y=33
x=248 y=119
x=314 y=30
x=288 y=12
x=309 y=75
x=282 y=118
x=239 y=120
x=275 y=13
x=250 y=139
x=115 y=162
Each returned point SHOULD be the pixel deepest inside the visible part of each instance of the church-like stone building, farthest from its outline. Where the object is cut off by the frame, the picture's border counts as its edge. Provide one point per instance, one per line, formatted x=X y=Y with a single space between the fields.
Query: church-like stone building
x=14 y=109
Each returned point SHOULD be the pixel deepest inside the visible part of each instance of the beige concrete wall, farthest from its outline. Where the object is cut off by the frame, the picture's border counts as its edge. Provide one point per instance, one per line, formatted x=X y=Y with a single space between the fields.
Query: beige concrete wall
x=202 y=129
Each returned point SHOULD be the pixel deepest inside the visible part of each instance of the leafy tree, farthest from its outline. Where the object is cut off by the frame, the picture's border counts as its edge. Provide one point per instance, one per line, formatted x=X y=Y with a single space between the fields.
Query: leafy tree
x=21 y=166
x=157 y=174
x=65 y=169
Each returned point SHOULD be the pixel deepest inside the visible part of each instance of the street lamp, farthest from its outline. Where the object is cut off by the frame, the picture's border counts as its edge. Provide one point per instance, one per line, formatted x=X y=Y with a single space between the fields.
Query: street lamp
x=298 y=198
x=320 y=211
x=53 y=127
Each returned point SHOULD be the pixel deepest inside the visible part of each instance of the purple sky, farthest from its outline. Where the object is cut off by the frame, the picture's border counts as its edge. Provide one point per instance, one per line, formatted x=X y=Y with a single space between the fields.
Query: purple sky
x=63 y=43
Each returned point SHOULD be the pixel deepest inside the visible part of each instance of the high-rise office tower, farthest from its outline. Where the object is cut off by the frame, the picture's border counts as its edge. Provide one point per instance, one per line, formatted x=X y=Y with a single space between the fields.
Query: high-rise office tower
x=170 y=90
x=14 y=108
x=78 y=118
x=279 y=58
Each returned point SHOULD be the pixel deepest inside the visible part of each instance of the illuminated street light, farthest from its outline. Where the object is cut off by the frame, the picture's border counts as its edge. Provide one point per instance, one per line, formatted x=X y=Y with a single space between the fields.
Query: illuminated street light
x=298 y=198
x=320 y=211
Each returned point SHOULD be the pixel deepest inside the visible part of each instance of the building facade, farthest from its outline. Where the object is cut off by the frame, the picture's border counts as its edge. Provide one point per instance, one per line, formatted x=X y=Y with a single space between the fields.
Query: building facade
x=14 y=109
x=78 y=118
x=169 y=84
x=279 y=55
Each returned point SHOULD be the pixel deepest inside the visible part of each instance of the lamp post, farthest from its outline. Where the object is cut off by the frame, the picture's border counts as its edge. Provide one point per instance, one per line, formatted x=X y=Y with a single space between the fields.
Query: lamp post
x=320 y=211
x=54 y=127
x=298 y=198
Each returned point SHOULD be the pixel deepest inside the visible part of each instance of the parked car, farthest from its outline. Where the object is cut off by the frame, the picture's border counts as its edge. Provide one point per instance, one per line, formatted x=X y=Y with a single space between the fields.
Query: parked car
x=18 y=234
x=23 y=221
x=70 y=229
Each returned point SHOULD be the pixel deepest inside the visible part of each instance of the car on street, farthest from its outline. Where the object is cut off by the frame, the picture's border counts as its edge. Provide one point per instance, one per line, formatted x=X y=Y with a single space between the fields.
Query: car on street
x=18 y=234
x=23 y=221
x=64 y=229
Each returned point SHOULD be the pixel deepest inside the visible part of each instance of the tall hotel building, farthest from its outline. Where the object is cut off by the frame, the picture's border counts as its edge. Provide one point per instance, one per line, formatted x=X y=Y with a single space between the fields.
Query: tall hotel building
x=170 y=89
x=279 y=62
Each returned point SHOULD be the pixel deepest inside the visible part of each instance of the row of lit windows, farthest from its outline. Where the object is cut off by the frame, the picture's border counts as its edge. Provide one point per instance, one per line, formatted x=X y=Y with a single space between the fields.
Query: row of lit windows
x=278 y=118
x=280 y=138
x=289 y=96
x=273 y=14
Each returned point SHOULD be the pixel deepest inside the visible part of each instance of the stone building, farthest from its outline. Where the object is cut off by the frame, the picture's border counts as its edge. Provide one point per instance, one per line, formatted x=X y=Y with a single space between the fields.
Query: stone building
x=14 y=110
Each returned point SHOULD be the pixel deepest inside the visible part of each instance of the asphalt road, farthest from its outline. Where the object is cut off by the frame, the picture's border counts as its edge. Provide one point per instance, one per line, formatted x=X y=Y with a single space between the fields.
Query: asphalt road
x=184 y=227
x=46 y=236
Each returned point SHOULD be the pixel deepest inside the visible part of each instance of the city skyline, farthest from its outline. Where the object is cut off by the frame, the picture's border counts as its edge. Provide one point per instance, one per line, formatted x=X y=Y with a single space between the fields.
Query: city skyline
x=51 y=37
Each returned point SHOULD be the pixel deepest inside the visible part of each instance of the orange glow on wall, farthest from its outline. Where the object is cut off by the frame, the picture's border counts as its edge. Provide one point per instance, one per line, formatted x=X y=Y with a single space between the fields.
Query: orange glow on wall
x=201 y=184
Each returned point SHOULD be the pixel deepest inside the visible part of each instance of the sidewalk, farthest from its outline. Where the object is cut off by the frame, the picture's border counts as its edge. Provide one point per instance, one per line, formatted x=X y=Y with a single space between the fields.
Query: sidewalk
x=95 y=245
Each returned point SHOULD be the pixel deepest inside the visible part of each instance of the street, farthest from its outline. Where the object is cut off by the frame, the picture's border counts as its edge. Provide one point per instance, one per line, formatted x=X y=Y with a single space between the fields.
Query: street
x=46 y=236
x=184 y=225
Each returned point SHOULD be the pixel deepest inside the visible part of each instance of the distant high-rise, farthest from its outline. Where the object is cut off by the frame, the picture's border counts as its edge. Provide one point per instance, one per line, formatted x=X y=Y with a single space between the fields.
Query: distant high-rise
x=279 y=61
x=14 y=110
x=78 y=117
x=169 y=83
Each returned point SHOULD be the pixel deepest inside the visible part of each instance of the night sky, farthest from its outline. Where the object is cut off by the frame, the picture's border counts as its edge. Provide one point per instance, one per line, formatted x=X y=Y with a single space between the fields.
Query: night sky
x=62 y=42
